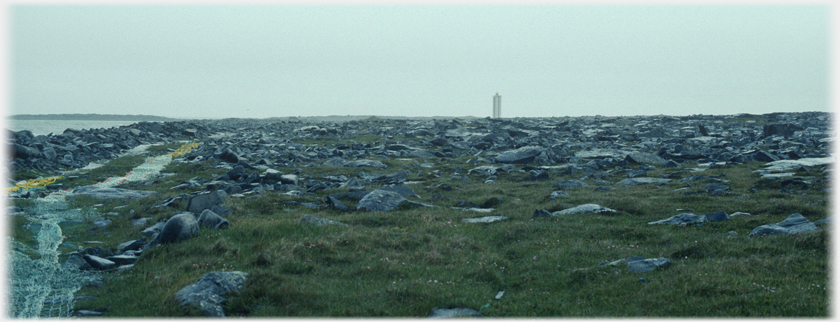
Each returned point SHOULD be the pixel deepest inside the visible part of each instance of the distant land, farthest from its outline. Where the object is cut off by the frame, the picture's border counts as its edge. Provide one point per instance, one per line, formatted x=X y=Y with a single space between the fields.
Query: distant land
x=92 y=117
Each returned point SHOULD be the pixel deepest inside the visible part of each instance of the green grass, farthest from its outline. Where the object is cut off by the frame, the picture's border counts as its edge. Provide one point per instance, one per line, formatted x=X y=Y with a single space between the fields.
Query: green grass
x=406 y=262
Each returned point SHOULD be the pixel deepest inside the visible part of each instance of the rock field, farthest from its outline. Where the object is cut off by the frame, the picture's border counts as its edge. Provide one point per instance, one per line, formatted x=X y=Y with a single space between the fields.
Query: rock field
x=588 y=147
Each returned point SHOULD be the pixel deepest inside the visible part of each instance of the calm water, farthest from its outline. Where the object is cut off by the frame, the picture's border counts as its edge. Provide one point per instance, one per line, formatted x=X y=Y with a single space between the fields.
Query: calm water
x=44 y=127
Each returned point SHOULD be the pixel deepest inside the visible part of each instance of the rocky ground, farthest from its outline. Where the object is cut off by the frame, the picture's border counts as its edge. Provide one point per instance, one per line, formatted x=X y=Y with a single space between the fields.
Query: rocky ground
x=604 y=153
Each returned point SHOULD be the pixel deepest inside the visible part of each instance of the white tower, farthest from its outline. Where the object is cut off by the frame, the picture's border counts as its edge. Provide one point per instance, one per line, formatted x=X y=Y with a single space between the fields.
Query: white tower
x=497 y=106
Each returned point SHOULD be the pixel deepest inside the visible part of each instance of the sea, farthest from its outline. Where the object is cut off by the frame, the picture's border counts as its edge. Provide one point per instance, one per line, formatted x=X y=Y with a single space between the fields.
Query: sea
x=45 y=127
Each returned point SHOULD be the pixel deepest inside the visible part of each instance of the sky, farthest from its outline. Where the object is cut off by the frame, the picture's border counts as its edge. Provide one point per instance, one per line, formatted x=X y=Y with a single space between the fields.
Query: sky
x=276 y=60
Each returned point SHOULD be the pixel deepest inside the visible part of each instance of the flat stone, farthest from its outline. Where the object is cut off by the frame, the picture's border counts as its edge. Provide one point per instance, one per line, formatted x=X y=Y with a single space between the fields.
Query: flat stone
x=486 y=219
x=99 y=262
x=641 y=180
x=585 y=208
x=793 y=224
x=317 y=221
x=647 y=265
x=681 y=219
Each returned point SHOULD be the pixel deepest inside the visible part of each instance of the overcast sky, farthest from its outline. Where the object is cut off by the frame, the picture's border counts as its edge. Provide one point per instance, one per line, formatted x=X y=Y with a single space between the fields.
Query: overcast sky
x=217 y=61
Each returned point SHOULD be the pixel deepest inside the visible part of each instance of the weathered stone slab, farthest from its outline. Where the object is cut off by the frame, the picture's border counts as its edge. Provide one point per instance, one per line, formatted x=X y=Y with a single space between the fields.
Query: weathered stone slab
x=793 y=224
x=206 y=293
x=486 y=219
x=585 y=208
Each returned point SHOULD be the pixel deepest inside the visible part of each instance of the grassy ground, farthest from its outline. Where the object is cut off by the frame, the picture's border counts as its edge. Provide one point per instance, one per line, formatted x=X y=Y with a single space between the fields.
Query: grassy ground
x=404 y=263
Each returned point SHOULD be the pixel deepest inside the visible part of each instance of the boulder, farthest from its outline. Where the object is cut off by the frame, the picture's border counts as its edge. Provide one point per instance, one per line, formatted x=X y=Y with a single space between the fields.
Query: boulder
x=209 y=219
x=206 y=293
x=132 y=244
x=385 y=199
x=716 y=216
x=199 y=203
x=793 y=224
x=783 y=129
x=380 y=200
x=25 y=152
x=540 y=213
x=524 y=154
x=180 y=227
x=99 y=262
x=77 y=261
x=335 y=203
x=537 y=175
x=229 y=156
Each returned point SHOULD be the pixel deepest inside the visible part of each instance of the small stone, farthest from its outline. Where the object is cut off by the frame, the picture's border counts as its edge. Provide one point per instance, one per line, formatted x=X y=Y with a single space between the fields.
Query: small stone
x=499 y=295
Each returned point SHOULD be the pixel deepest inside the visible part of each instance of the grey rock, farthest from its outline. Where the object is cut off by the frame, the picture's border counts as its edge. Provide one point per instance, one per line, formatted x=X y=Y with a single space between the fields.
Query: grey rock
x=539 y=213
x=132 y=244
x=681 y=219
x=783 y=129
x=365 y=163
x=555 y=194
x=454 y=313
x=111 y=193
x=439 y=141
x=335 y=203
x=139 y=222
x=26 y=152
x=206 y=293
x=99 y=262
x=570 y=184
x=154 y=229
x=826 y=220
x=537 y=175
x=102 y=223
x=647 y=265
x=716 y=216
x=487 y=170
x=671 y=164
x=97 y=251
x=209 y=219
x=289 y=179
x=122 y=259
x=585 y=208
x=486 y=219
x=317 y=221
x=380 y=200
x=199 y=203
x=641 y=180
x=387 y=198
x=180 y=227
x=524 y=154
x=77 y=261
x=642 y=157
x=793 y=224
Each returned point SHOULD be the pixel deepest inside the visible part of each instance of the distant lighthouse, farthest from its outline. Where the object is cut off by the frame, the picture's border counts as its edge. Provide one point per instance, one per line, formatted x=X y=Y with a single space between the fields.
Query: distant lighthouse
x=497 y=106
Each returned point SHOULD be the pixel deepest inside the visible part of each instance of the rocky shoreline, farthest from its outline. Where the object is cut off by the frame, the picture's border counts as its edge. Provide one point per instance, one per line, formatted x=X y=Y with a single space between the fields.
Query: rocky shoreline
x=594 y=148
